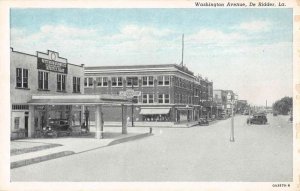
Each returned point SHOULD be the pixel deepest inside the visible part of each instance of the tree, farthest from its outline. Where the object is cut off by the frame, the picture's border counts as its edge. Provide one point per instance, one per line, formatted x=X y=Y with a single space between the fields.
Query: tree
x=283 y=106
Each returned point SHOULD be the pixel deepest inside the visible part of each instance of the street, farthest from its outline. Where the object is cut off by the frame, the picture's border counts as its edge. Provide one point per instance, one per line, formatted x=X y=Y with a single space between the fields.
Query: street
x=200 y=153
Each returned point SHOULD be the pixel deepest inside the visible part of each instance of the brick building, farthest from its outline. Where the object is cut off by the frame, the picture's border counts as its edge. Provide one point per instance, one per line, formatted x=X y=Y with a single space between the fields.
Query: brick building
x=166 y=93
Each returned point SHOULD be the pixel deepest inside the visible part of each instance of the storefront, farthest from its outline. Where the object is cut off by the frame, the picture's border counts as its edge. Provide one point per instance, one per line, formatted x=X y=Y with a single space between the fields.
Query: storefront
x=73 y=109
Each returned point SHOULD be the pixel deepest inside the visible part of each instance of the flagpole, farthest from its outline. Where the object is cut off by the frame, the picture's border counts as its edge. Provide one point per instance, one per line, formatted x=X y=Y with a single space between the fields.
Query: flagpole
x=182 y=49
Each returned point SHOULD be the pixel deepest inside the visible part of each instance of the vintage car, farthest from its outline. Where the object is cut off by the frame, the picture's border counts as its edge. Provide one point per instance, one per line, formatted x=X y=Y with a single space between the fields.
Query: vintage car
x=57 y=127
x=259 y=118
x=203 y=121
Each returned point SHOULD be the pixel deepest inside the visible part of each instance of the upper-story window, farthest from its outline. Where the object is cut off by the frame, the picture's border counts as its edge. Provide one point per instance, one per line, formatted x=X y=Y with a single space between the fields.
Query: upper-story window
x=163 y=80
x=163 y=98
x=76 y=84
x=132 y=81
x=22 y=78
x=101 y=81
x=116 y=81
x=43 y=80
x=61 y=82
x=148 y=98
x=88 y=82
x=147 y=80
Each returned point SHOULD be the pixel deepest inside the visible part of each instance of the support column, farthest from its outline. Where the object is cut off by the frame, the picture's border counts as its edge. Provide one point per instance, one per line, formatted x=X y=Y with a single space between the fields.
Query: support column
x=31 y=121
x=98 y=122
x=124 y=119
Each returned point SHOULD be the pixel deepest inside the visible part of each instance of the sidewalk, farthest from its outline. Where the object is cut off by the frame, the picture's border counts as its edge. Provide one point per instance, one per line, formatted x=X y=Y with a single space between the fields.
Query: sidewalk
x=30 y=151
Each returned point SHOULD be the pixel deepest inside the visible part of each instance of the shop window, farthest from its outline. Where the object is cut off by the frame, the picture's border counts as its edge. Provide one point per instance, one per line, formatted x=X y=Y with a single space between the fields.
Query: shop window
x=61 y=82
x=76 y=84
x=43 y=80
x=21 y=78
x=17 y=122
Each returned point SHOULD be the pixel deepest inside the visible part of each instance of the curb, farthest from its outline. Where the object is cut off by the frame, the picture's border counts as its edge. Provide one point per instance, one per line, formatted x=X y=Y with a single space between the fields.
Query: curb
x=40 y=159
x=32 y=149
x=127 y=139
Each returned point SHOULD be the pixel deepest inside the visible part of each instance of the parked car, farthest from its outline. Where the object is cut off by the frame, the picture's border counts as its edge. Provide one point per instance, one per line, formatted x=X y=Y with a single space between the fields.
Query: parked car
x=203 y=121
x=260 y=118
x=57 y=127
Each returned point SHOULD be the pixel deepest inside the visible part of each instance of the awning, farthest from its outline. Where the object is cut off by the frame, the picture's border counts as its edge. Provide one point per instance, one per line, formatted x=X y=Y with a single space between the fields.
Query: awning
x=156 y=111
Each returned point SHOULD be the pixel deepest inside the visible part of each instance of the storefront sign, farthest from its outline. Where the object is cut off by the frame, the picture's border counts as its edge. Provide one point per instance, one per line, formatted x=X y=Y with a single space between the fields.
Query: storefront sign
x=130 y=93
x=51 y=65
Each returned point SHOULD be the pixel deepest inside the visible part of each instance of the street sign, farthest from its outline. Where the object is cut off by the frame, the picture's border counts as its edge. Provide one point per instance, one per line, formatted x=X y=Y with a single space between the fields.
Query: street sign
x=130 y=93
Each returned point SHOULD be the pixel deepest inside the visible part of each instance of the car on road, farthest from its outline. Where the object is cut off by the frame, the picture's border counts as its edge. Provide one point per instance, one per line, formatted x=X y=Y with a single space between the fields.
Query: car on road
x=57 y=127
x=203 y=121
x=259 y=118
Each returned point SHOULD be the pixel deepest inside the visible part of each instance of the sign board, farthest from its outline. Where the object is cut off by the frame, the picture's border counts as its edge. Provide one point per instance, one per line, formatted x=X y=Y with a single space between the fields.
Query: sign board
x=51 y=65
x=130 y=93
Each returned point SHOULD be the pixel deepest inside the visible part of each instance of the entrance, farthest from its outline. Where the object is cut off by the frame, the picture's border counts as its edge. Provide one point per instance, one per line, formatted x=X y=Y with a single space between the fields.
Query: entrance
x=26 y=126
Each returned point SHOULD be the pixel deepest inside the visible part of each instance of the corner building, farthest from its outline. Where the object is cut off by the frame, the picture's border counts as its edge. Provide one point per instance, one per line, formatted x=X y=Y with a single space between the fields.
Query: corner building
x=166 y=93
x=40 y=75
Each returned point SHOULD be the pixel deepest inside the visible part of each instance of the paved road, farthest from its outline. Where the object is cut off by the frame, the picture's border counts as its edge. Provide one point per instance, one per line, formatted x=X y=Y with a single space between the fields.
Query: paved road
x=201 y=153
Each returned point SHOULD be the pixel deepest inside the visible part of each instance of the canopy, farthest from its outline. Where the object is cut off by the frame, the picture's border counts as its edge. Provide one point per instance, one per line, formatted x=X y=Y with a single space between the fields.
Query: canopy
x=76 y=99
x=156 y=111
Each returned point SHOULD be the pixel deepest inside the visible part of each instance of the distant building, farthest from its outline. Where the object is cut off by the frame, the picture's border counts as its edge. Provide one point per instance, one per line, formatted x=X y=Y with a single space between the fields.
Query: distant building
x=164 y=93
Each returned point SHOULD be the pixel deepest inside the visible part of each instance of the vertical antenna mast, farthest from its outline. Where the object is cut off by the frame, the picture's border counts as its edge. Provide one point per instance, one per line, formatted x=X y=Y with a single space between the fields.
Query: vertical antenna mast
x=182 y=50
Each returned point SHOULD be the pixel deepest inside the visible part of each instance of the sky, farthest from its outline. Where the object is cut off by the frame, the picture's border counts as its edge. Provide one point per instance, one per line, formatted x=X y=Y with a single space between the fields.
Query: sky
x=248 y=51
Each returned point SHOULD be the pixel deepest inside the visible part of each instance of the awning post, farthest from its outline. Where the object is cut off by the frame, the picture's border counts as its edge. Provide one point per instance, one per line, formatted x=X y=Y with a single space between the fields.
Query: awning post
x=98 y=122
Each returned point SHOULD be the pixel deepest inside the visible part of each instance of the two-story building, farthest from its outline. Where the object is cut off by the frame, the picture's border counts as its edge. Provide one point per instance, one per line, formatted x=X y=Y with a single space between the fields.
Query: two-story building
x=163 y=93
x=39 y=75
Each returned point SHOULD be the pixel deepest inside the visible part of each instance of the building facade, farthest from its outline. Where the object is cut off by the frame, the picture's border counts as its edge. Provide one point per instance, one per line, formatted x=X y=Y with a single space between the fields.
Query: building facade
x=39 y=75
x=164 y=93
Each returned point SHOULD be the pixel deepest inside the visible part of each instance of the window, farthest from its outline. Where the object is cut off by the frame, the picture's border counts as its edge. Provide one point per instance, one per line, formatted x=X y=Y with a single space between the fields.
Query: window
x=148 y=98
x=147 y=80
x=17 y=122
x=113 y=81
x=105 y=81
x=164 y=98
x=19 y=107
x=116 y=81
x=88 y=82
x=99 y=81
x=61 y=82
x=76 y=84
x=22 y=78
x=135 y=99
x=160 y=80
x=160 y=98
x=163 y=80
x=43 y=80
x=120 y=81
x=145 y=98
x=167 y=98
x=132 y=81
x=167 y=80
